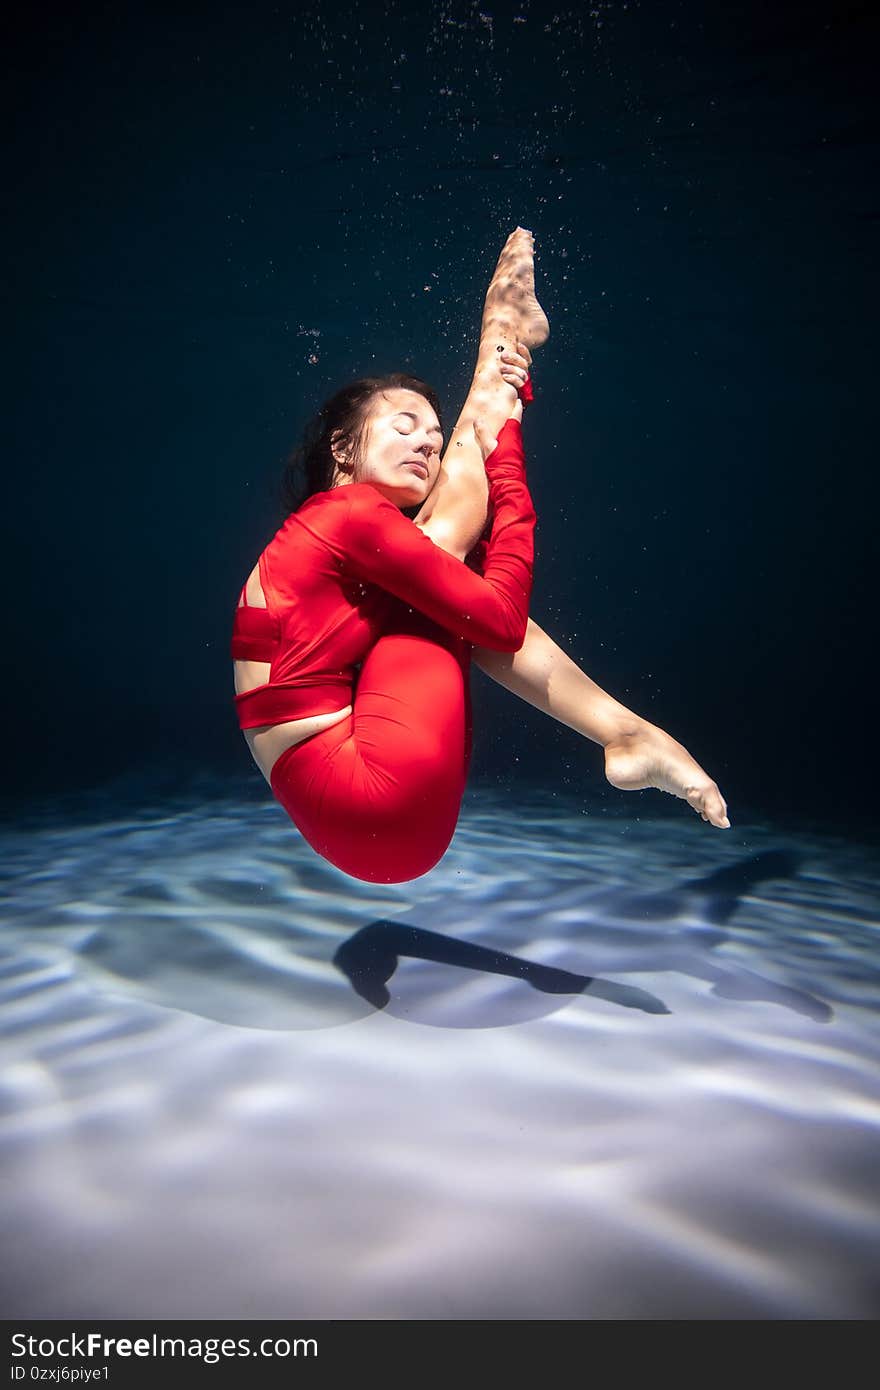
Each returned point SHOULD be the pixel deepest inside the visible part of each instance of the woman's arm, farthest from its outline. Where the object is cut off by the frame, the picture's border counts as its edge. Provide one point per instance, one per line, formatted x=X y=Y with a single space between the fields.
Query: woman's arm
x=374 y=542
x=637 y=754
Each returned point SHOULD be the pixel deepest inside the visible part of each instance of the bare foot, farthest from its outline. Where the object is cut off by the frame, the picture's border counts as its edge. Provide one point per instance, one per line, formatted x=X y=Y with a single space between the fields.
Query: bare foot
x=513 y=287
x=648 y=757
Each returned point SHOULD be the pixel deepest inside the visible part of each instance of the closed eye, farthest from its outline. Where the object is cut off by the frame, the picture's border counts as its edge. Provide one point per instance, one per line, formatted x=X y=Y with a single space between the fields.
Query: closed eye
x=411 y=415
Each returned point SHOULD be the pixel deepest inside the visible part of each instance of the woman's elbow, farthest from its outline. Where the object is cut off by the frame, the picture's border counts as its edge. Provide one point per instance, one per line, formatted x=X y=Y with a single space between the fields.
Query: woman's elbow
x=519 y=636
x=507 y=638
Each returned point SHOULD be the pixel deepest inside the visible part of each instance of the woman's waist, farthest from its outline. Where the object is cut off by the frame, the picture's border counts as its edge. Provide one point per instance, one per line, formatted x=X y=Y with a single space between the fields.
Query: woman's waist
x=277 y=702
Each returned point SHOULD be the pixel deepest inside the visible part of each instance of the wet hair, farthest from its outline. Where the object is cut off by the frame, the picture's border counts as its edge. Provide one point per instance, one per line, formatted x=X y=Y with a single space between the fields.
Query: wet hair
x=342 y=419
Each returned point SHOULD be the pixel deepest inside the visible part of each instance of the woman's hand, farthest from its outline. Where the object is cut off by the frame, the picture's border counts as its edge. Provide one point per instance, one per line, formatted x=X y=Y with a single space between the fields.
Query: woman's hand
x=514 y=366
x=485 y=438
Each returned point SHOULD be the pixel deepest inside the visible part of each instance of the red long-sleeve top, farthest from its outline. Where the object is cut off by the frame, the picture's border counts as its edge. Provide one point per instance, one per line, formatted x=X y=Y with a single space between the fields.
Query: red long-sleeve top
x=327 y=574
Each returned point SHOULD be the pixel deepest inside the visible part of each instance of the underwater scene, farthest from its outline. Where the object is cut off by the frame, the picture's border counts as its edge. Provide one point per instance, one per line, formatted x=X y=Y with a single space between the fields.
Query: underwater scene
x=606 y=1059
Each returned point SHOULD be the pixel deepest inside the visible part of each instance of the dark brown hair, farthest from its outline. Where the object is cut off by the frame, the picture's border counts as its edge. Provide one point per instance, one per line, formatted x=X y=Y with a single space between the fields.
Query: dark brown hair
x=341 y=419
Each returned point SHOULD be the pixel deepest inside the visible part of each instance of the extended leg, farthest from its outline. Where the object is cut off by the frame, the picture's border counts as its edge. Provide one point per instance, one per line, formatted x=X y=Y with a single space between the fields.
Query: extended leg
x=637 y=754
x=455 y=513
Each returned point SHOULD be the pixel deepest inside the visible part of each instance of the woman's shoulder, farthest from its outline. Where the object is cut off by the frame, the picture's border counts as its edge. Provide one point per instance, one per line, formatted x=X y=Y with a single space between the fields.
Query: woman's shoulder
x=337 y=517
x=321 y=512
x=349 y=505
x=343 y=498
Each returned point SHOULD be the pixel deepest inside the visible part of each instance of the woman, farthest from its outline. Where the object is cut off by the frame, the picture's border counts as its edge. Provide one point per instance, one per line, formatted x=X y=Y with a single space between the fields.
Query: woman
x=376 y=787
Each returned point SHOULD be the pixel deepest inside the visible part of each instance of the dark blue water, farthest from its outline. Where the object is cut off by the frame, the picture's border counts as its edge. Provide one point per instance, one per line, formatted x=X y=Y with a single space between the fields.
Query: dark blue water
x=642 y=1051
x=214 y=224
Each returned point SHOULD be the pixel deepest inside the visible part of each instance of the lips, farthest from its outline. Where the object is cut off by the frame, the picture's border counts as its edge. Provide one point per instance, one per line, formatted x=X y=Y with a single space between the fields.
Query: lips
x=417 y=463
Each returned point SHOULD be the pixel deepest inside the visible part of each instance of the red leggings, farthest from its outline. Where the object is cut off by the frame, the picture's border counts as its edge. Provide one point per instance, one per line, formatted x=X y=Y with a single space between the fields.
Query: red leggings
x=379 y=793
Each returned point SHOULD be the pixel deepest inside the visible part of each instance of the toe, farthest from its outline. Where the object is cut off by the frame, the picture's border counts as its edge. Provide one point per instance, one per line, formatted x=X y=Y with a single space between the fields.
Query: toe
x=709 y=804
x=716 y=808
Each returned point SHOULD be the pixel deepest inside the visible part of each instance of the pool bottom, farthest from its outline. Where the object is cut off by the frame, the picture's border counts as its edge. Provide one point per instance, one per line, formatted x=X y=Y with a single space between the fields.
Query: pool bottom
x=654 y=1096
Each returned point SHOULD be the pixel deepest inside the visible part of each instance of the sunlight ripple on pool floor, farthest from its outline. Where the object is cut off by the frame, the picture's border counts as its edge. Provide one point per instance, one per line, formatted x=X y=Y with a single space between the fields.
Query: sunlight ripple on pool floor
x=590 y=1066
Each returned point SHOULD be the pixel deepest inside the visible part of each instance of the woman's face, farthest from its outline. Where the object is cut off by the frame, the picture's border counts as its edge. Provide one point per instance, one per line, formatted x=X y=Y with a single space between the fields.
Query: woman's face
x=400 y=447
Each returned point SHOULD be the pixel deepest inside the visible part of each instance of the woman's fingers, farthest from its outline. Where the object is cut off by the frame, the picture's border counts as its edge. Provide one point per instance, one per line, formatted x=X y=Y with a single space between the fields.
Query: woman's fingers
x=485 y=438
x=514 y=378
x=517 y=359
x=514 y=368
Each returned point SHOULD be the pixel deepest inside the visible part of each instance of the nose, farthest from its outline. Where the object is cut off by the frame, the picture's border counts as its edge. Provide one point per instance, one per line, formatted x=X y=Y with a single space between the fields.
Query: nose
x=430 y=445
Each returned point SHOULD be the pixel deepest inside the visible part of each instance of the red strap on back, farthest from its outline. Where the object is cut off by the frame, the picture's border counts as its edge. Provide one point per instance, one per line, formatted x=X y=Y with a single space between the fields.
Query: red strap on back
x=255 y=635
